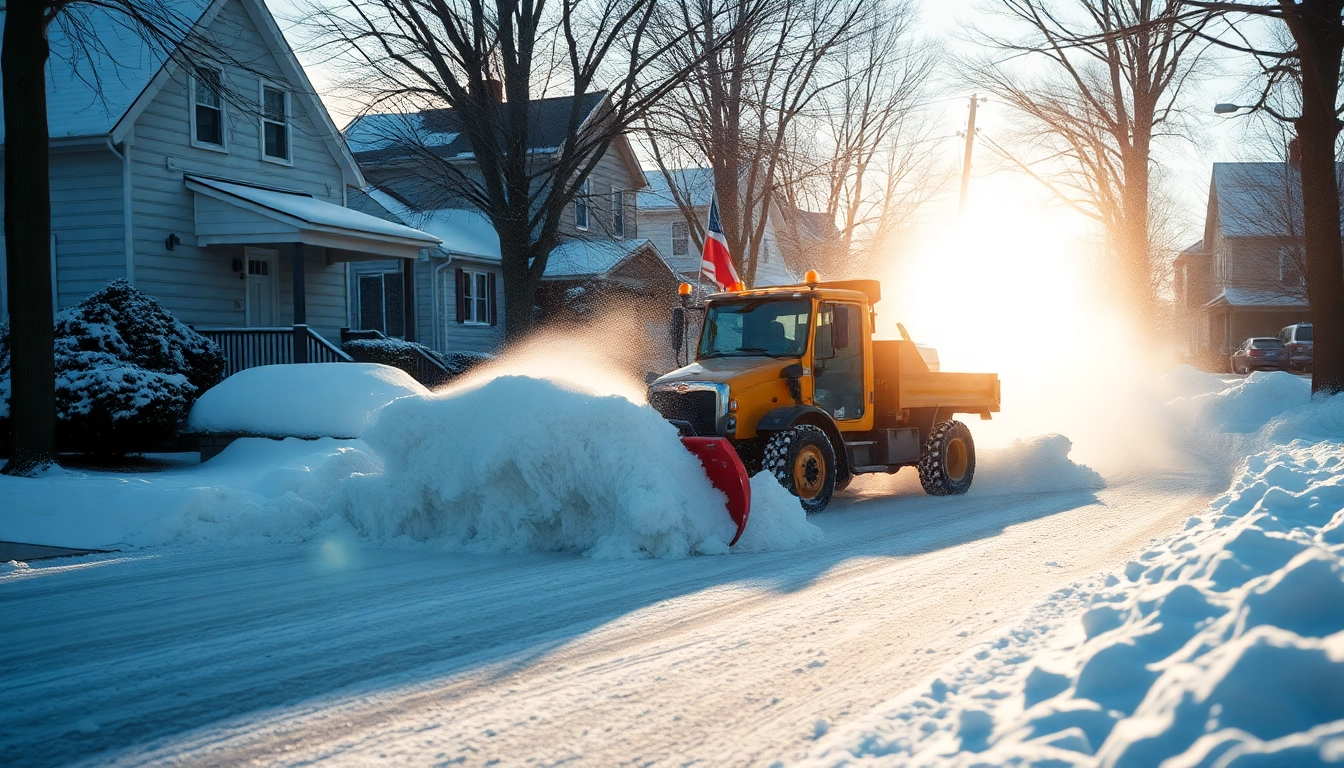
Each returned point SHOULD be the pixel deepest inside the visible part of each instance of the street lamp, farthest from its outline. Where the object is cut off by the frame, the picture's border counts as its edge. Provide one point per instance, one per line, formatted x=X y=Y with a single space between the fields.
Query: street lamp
x=1226 y=109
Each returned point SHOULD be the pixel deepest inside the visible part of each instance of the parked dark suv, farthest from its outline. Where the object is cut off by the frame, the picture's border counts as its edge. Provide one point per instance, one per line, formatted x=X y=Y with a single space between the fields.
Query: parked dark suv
x=1298 y=340
x=1262 y=353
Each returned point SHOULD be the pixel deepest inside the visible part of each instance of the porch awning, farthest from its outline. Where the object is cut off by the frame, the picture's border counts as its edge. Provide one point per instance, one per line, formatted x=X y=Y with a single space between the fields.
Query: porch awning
x=237 y=214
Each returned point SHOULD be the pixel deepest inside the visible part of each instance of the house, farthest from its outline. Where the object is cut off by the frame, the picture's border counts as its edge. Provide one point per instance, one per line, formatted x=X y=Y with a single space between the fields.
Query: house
x=216 y=184
x=460 y=305
x=1246 y=277
x=665 y=224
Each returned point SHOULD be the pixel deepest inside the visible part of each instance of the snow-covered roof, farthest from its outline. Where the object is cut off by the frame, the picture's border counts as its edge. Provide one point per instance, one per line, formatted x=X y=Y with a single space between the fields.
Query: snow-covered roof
x=307 y=212
x=697 y=183
x=88 y=94
x=463 y=231
x=593 y=258
x=371 y=133
x=1258 y=199
x=1250 y=297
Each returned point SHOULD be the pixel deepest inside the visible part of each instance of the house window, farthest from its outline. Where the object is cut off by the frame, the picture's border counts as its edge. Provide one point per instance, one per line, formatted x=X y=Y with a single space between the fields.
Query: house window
x=207 y=108
x=475 y=297
x=380 y=303
x=274 y=124
x=581 y=206
x=617 y=213
x=1290 y=268
x=681 y=239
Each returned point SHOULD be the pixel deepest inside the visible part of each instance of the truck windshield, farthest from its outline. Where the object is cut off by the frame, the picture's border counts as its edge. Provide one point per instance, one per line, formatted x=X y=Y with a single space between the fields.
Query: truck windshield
x=759 y=327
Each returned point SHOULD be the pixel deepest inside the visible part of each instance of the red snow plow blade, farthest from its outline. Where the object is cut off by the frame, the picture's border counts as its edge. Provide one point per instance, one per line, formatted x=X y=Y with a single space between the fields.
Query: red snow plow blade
x=726 y=473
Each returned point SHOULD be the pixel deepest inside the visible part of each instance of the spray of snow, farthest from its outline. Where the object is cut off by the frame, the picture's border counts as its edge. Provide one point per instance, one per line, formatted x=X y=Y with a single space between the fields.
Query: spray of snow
x=1223 y=645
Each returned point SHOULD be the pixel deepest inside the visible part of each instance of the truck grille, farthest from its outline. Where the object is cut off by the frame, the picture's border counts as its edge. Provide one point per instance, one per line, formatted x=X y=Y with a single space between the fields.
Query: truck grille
x=696 y=407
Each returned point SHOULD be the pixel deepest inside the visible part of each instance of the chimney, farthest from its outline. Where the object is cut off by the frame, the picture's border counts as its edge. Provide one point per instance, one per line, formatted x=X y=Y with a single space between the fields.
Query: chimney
x=1295 y=154
x=493 y=89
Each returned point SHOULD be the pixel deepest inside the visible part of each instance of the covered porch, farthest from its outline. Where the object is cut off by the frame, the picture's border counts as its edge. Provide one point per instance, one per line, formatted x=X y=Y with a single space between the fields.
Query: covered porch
x=284 y=246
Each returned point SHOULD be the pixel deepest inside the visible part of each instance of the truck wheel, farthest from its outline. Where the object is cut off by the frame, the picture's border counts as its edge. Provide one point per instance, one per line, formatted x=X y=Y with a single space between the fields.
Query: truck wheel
x=803 y=461
x=948 y=462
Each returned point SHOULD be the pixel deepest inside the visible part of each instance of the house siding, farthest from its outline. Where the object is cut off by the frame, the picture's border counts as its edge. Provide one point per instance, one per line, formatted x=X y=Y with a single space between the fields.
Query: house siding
x=87 y=222
x=196 y=284
x=436 y=323
x=611 y=172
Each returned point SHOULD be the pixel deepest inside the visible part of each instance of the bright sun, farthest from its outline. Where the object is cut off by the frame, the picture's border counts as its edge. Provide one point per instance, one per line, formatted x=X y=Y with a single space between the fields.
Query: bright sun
x=1011 y=288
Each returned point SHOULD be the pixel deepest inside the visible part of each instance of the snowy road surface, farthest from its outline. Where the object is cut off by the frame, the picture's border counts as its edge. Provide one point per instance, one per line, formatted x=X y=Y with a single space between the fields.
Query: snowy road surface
x=293 y=653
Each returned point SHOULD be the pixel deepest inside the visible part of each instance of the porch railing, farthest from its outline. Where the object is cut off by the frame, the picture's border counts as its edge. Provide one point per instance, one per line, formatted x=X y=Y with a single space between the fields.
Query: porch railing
x=251 y=347
x=411 y=358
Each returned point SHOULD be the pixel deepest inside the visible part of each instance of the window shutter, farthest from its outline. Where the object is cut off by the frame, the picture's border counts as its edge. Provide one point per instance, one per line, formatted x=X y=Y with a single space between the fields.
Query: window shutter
x=494 y=301
x=461 y=294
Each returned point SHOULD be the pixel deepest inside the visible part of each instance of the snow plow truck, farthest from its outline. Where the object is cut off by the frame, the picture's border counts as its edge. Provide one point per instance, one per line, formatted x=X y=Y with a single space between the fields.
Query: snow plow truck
x=790 y=380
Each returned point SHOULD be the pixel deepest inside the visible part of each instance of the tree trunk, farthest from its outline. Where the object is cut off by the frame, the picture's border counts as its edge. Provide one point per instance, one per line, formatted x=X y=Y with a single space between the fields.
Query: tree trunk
x=28 y=239
x=520 y=288
x=1320 y=36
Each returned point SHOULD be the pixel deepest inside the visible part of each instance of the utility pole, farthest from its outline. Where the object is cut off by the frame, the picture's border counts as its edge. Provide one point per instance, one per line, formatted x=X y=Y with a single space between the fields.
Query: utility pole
x=966 y=159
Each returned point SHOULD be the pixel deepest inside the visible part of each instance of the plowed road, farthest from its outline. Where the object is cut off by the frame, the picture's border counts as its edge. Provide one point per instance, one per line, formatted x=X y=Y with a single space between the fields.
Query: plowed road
x=296 y=654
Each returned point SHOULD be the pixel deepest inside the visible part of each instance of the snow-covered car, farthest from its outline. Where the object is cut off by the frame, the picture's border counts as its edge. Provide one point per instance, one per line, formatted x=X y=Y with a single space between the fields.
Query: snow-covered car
x=1298 y=339
x=1260 y=353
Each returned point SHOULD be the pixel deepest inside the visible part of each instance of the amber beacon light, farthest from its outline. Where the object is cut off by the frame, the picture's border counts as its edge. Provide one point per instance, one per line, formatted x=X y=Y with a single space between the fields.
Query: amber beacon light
x=684 y=289
x=811 y=278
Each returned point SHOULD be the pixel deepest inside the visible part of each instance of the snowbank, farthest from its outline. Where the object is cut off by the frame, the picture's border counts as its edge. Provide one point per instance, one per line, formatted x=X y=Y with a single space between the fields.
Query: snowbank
x=312 y=400
x=1242 y=405
x=518 y=464
x=277 y=489
x=1035 y=465
x=1223 y=645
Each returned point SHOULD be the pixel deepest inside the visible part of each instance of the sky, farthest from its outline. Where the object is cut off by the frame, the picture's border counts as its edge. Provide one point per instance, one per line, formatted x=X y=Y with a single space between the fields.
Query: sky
x=1016 y=243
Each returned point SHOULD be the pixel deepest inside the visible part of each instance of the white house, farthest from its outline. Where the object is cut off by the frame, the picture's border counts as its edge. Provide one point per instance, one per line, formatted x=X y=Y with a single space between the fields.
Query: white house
x=665 y=224
x=218 y=186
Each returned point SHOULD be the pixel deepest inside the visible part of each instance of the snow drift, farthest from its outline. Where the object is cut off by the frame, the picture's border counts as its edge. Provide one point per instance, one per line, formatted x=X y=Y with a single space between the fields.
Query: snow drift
x=520 y=464
x=1223 y=645
x=1035 y=465
x=309 y=400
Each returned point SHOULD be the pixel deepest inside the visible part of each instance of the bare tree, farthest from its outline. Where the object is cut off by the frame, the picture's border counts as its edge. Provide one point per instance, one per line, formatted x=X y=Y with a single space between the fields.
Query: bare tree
x=487 y=62
x=1111 y=78
x=760 y=65
x=28 y=24
x=1308 y=67
x=864 y=157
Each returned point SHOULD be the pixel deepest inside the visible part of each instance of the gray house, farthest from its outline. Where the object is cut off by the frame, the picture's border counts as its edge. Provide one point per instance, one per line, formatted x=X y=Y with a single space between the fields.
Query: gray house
x=459 y=300
x=219 y=187
x=1246 y=277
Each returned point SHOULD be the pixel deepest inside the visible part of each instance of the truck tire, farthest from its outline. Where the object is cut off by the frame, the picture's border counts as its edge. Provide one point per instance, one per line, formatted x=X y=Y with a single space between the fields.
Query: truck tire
x=947 y=465
x=802 y=460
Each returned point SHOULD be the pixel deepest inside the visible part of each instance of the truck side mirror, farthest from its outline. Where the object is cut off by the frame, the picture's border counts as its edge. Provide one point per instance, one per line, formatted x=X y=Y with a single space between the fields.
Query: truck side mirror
x=677 y=328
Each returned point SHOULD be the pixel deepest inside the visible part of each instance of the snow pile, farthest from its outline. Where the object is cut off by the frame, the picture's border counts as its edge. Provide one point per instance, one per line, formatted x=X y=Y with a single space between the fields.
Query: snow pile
x=1243 y=405
x=276 y=489
x=309 y=400
x=1221 y=646
x=515 y=464
x=1036 y=465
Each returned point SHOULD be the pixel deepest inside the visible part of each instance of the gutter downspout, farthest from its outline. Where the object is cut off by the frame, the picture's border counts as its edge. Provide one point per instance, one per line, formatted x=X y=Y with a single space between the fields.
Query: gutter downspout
x=439 y=341
x=127 y=219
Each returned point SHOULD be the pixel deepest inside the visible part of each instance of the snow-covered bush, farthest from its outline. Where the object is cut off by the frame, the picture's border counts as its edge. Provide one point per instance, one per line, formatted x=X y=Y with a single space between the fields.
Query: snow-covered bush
x=406 y=354
x=127 y=372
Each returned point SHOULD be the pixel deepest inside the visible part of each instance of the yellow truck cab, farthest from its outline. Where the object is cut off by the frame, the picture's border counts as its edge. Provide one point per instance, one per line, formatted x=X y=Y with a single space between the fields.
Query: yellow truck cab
x=793 y=377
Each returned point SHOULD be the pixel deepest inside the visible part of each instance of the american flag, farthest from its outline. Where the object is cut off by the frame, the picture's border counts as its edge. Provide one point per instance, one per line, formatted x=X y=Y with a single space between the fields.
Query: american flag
x=716 y=263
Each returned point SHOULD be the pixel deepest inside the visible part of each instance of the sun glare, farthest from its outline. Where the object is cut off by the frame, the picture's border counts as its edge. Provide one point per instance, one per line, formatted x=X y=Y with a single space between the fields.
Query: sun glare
x=1011 y=288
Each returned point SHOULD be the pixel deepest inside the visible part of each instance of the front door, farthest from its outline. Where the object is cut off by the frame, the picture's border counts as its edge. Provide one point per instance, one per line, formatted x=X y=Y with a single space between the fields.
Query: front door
x=260 y=287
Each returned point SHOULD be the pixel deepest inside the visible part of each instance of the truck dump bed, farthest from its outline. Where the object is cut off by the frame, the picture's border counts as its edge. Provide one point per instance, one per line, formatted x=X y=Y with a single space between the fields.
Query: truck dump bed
x=903 y=381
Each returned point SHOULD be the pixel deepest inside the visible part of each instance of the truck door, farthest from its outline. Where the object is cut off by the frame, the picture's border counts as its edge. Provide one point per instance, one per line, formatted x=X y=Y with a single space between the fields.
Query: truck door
x=838 y=360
